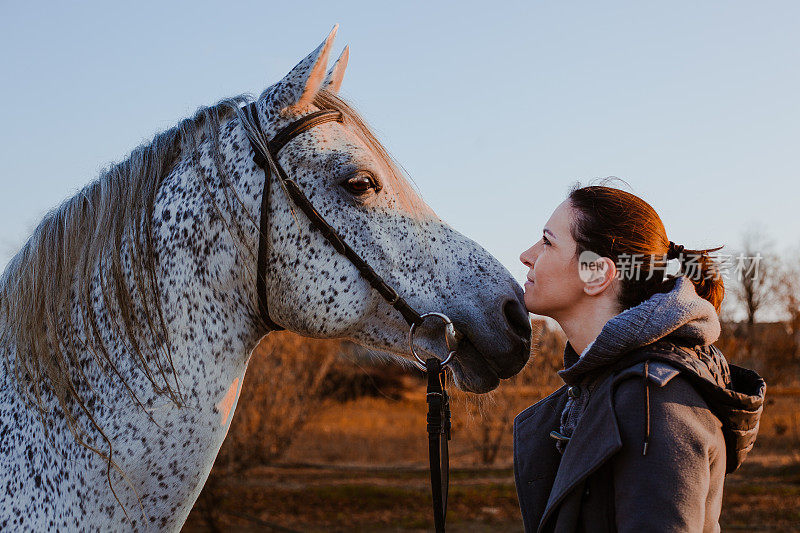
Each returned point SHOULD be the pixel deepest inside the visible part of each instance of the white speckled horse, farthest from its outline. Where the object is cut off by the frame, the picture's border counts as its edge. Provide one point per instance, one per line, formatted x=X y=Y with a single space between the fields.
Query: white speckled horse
x=128 y=318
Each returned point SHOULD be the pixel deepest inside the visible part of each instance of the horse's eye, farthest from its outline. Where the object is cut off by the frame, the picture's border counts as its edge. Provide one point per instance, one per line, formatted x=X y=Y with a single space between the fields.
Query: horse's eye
x=360 y=184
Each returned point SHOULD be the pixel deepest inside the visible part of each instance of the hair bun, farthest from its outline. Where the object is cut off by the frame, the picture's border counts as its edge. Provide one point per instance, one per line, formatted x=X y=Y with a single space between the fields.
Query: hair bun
x=674 y=251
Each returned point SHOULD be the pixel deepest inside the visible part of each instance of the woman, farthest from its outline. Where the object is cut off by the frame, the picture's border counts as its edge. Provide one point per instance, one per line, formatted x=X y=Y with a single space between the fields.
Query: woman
x=651 y=416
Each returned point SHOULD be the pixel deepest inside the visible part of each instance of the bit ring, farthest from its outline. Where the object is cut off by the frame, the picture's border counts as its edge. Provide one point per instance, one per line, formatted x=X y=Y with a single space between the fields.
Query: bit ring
x=449 y=338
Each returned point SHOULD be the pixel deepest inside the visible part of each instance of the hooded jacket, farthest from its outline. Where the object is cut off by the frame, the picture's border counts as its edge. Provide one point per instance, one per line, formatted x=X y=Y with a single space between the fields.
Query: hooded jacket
x=649 y=421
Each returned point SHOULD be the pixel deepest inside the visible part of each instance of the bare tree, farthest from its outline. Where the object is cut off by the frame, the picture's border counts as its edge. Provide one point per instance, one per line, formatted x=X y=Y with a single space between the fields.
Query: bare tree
x=278 y=394
x=756 y=267
x=788 y=293
x=280 y=388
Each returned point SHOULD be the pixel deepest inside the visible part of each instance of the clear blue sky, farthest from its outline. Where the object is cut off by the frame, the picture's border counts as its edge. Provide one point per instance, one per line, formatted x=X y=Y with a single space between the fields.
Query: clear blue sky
x=494 y=108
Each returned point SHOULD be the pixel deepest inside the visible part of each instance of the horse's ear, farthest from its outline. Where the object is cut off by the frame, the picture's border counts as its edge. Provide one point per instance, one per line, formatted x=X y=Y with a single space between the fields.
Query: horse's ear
x=299 y=87
x=335 y=75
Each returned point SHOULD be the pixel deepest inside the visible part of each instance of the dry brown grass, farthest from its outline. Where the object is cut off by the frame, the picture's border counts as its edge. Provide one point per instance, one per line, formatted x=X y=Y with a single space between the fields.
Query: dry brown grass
x=361 y=465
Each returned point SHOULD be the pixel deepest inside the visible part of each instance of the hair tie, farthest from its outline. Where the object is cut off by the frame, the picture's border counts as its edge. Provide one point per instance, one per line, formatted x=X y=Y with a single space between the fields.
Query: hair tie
x=674 y=251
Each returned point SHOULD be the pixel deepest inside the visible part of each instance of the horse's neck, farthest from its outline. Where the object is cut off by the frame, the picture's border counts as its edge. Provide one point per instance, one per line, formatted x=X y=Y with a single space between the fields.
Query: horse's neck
x=200 y=266
x=206 y=312
x=165 y=451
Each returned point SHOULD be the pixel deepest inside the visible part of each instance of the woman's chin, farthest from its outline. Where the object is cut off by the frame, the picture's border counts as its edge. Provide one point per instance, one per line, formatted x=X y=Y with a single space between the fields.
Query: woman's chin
x=537 y=309
x=530 y=303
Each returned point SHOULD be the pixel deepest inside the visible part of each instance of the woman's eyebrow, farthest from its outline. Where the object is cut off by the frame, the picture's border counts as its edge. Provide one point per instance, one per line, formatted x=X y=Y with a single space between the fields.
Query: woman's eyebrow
x=546 y=230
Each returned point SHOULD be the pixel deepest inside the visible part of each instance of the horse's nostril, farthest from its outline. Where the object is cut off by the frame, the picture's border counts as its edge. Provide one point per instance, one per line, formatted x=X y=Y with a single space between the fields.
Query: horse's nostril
x=517 y=317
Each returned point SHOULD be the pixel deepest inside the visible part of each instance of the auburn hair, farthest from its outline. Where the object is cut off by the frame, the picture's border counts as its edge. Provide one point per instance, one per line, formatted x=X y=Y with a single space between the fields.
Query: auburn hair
x=621 y=226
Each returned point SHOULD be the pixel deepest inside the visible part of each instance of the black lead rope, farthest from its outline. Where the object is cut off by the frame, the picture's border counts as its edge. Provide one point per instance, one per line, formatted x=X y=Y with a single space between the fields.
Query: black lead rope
x=438 y=437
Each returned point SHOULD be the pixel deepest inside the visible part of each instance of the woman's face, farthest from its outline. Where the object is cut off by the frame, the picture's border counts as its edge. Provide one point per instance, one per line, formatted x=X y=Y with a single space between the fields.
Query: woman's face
x=554 y=285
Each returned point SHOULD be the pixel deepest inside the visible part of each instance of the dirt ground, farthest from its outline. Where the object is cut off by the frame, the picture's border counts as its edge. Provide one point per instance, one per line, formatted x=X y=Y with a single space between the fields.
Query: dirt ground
x=361 y=466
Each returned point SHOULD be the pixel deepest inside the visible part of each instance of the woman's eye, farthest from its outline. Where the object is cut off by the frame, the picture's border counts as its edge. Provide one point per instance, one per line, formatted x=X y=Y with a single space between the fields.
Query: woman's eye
x=360 y=184
x=545 y=241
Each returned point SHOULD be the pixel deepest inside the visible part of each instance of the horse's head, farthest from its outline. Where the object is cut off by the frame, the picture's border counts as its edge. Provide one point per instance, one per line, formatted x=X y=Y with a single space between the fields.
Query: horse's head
x=351 y=181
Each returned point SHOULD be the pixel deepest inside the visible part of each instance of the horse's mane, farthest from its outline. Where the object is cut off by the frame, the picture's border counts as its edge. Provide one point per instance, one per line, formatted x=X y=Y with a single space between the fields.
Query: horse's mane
x=56 y=268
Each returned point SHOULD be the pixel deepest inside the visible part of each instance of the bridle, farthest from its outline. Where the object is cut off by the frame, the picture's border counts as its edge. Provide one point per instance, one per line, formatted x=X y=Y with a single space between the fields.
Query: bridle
x=301 y=200
x=438 y=402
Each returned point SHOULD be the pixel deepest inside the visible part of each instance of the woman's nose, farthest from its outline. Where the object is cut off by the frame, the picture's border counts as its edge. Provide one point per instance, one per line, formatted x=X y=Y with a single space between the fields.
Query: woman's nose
x=528 y=257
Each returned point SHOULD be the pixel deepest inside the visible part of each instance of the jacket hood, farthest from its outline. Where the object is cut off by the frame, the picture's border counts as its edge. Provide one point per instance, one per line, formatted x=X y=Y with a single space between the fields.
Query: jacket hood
x=734 y=394
x=678 y=328
x=678 y=313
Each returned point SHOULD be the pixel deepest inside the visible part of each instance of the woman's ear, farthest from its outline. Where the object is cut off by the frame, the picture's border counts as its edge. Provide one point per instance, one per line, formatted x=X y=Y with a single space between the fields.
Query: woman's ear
x=598 y=274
